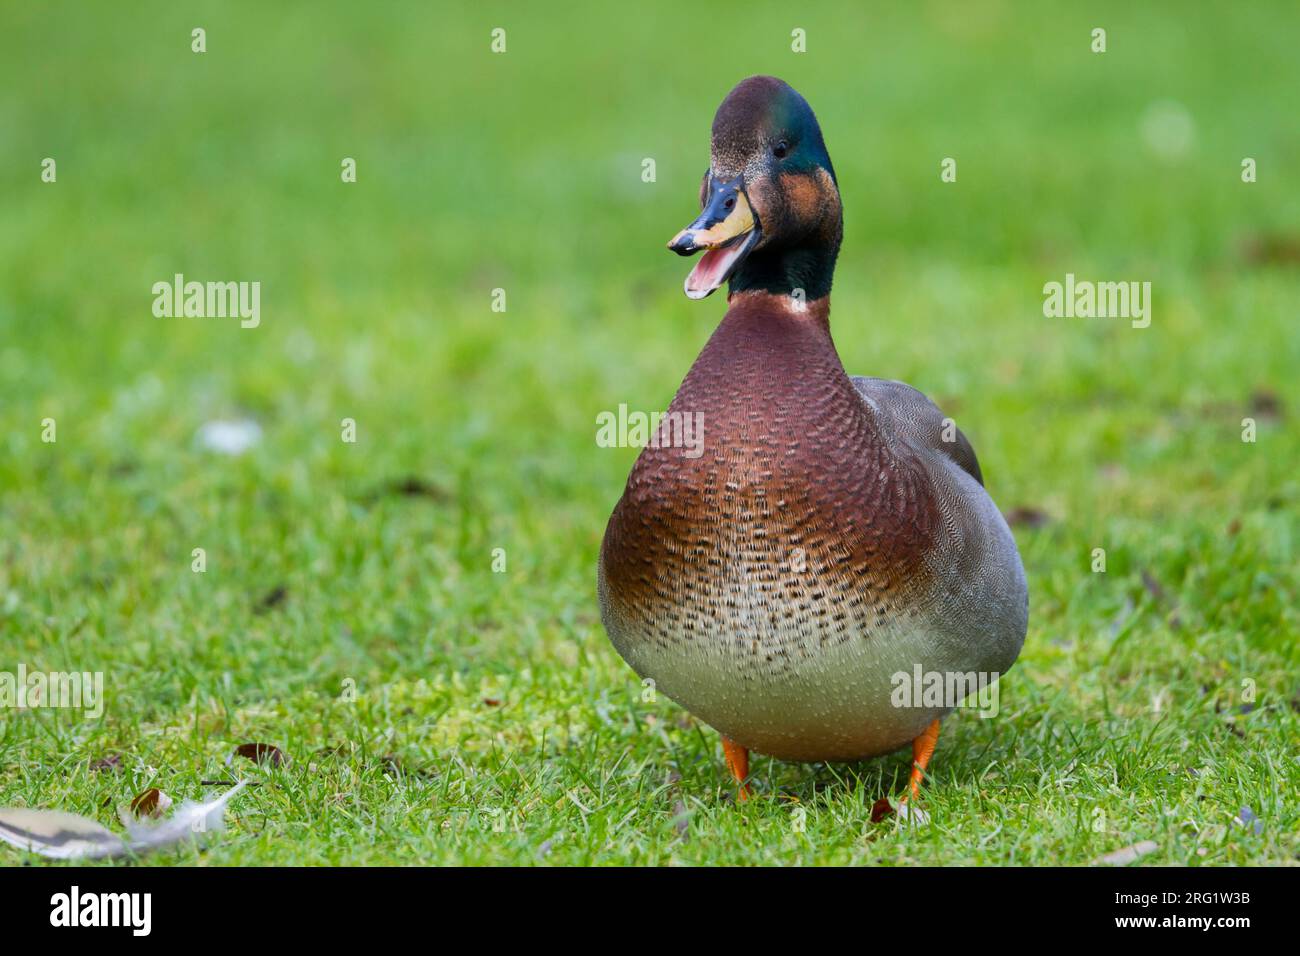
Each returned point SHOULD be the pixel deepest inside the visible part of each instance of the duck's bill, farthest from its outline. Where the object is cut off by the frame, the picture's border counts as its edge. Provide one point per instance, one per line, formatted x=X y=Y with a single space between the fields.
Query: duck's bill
x=726 y=232
x=718 y=264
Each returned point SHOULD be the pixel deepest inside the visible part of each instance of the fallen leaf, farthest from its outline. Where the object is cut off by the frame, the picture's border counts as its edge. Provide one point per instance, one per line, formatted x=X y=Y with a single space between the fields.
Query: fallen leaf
x=1027 y=517
x=271 y=599
x=1271 y=248
x=881 y=809
x=1129 y=853
x=413 y=486
x=109 y=762
x=1265 y=404
x=492 y=701
x=262 y=753
x=152 y=803
x=419 y=488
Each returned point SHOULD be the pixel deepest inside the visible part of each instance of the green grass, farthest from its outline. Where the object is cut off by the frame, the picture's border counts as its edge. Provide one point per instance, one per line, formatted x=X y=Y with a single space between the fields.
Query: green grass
x=1123 y=720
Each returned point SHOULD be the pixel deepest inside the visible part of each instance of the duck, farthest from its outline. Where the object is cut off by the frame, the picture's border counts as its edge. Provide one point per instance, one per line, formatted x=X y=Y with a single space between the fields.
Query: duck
x=831 y=532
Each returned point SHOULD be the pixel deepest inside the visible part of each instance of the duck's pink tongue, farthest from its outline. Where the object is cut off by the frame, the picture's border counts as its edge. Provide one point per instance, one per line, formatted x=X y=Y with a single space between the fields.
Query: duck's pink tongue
x=714 y=267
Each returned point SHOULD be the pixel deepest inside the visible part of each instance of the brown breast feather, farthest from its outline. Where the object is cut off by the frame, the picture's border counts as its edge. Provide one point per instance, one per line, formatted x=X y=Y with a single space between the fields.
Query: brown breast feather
x=795 y=466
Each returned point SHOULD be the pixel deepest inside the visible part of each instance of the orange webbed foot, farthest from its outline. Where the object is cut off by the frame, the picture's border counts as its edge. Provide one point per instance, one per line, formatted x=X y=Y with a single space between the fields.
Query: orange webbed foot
x=738 y=763
x=922 y=751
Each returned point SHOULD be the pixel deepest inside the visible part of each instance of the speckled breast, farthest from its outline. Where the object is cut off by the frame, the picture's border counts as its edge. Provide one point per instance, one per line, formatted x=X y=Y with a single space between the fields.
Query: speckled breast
x=774 y=584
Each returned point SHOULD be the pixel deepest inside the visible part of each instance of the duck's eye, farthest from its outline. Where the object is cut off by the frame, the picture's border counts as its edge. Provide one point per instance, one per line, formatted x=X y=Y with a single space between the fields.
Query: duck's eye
x=781 y=149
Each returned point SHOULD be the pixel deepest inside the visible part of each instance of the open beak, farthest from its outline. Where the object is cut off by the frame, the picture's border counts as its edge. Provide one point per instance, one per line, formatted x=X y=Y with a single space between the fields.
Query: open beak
x=727 y=230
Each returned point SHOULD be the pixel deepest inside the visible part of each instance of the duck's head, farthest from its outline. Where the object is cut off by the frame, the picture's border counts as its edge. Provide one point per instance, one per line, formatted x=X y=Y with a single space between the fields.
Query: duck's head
x=771 y=216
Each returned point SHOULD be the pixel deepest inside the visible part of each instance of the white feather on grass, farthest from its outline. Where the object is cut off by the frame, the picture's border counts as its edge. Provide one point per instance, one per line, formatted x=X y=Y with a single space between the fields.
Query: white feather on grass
x=67 y=836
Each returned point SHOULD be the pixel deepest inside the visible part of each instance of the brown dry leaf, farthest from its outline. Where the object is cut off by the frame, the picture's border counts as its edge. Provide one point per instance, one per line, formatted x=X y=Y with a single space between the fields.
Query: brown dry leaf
x=1027 y=517
x=1271 y=248
x=271 y=599
x=109 y=762
x=881 y=809
x=492 y=701
x=412 y=486
x=262 y=753
x=151 y=803
x=1265 y=404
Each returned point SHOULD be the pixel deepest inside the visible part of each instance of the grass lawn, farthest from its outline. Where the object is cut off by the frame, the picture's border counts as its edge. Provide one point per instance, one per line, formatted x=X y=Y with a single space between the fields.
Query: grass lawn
x=492 y=722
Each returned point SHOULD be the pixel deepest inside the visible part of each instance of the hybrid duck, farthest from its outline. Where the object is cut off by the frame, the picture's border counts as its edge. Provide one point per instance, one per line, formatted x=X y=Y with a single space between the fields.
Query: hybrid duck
x=835 y=531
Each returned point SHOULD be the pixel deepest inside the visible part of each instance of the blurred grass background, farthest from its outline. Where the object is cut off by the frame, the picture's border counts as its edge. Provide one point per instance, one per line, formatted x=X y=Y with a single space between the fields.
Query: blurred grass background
x=491 y=697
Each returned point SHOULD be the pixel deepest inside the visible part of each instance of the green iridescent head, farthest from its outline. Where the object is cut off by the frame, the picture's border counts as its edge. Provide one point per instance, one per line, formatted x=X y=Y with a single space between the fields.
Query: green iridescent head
x=771 y=217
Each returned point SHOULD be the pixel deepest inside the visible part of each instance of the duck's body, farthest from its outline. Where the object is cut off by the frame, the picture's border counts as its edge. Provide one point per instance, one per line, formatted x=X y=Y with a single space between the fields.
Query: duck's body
x=826 y=540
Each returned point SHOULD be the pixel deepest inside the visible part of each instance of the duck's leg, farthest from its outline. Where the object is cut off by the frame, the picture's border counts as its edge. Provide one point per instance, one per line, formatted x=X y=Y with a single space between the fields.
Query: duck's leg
x=922 y=751
x=738 y=763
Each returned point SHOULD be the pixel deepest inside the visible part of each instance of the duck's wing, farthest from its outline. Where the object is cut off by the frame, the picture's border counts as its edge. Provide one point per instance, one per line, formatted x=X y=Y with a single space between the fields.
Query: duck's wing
x=920 y=420
x=979 y=600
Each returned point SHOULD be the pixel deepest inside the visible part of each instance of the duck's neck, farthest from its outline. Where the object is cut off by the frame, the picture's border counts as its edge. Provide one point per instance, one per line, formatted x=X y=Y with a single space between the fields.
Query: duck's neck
x=778 y=315
x=799 y=272
x=768 y=348
x=770 y=378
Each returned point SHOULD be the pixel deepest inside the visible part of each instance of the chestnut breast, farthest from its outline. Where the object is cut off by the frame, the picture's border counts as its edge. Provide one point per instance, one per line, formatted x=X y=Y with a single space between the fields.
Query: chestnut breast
x=795 y=539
